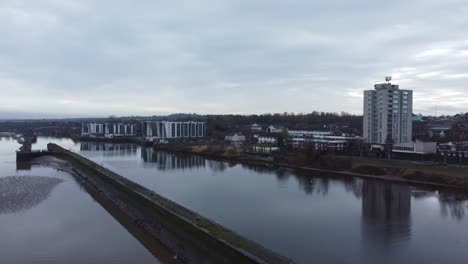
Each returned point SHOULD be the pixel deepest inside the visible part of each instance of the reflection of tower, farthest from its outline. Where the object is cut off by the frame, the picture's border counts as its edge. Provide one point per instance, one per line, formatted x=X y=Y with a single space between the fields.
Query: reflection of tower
x=386 y=212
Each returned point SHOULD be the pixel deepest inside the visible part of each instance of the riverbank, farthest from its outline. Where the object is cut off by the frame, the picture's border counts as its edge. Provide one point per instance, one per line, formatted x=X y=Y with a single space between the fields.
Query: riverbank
x=116 y=140
x=190 y=236
x=413 y=173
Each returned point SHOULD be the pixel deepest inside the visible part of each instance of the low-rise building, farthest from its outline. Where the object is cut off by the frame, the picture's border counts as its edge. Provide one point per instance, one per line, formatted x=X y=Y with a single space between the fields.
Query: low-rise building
x=321 y=142
x=308 y=133
x=454 y=149
x=415 y=147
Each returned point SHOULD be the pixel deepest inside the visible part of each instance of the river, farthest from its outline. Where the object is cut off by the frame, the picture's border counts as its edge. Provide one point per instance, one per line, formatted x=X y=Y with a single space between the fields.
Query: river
x=304 y=216
x=46 y=217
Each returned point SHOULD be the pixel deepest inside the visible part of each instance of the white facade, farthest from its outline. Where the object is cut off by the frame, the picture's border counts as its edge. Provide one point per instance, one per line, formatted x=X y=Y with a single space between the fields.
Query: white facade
x=166 y=130
x=308 y=133
x=256 y=128
x=236 y=137
x=320 y=144
x=92 y=129
x=417 y=147
x=388 y=114
x=267 y=140
x=108 y=130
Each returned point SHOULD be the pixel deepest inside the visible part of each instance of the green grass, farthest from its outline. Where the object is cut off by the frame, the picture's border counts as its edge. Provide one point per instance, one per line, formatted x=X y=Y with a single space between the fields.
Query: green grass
x=411 y=167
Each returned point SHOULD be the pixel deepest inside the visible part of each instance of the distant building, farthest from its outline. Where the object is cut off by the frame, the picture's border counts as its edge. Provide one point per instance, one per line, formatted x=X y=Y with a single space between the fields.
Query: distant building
x=256 y=128
x=92 y=129
x=438 y=130
x=454 y=149
x=235 y=137
x=108 y=130
x=265 y=139
x=277 y=129
x=310 y=133
x=418 y=118
x=415 y=147
x=387 y=114
x=168 y=130
x=323 y=143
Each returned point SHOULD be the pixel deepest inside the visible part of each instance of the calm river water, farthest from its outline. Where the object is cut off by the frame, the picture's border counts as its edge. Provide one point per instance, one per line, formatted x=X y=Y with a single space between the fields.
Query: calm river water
x=46 y=217
x=306 y=217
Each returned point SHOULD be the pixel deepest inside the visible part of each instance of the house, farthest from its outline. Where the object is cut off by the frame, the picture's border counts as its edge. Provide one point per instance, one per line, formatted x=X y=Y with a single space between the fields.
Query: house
x=265 y=139
x=277 y=129
x=256 y=128
x=267 y=142
x=235 y=137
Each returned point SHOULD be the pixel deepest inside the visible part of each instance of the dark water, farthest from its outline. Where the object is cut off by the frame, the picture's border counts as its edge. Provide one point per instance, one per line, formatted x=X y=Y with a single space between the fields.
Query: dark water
x=309 y=218
x=46 y=217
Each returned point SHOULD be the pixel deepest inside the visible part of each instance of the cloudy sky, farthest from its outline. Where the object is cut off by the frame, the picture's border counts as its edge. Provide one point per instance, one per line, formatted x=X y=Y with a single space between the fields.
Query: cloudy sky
x=61 y=58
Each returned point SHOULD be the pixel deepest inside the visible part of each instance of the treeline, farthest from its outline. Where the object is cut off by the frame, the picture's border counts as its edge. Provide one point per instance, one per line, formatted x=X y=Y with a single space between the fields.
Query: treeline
x=308 y=121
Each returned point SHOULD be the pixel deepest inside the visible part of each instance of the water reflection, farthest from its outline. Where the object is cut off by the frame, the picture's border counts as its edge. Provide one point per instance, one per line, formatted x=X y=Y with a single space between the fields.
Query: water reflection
x=110 y=149
x=167 y=161
x=454 y=204
x=20 y=193
x=395 y=199
x=386 y=211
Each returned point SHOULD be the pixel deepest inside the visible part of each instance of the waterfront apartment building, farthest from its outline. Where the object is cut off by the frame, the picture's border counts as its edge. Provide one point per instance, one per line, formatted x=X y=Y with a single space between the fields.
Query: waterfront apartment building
x=167 y=130
x=108 y=130
x=387 y=114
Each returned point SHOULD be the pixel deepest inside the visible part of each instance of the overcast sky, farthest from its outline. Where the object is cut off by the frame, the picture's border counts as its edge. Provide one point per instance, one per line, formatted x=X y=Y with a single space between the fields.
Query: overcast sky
x=62 y=58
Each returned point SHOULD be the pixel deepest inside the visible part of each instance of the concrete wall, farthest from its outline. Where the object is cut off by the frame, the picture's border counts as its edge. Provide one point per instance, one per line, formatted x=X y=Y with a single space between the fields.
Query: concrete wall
x=197 y=230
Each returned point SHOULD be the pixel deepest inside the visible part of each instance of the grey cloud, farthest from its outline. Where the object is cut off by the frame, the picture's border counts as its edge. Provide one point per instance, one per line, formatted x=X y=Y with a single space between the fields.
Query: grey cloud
x=151 y=57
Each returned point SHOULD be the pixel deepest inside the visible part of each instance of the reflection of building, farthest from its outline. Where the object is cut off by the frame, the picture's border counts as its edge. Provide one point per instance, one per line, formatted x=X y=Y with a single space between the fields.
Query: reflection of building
x=110 y=148
x=165 y=160
x=386 y=212
x=166 y=130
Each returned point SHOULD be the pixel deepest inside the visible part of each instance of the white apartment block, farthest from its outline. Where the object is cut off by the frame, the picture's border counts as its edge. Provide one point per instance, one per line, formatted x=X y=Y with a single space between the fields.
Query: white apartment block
x=166 y=130
x=387 y=114
x=108 y=130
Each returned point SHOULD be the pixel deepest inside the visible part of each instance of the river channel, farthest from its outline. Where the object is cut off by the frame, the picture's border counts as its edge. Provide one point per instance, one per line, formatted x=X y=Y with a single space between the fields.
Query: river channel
x=304 y=216
x=47 y=217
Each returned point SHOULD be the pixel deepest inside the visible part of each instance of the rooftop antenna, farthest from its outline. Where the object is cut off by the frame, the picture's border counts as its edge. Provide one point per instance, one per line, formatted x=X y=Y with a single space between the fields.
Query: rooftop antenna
x=388 y=79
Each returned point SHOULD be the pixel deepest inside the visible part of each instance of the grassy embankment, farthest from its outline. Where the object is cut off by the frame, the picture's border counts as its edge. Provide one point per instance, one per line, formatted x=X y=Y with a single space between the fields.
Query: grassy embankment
x=415 y=171
x=388 y=169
